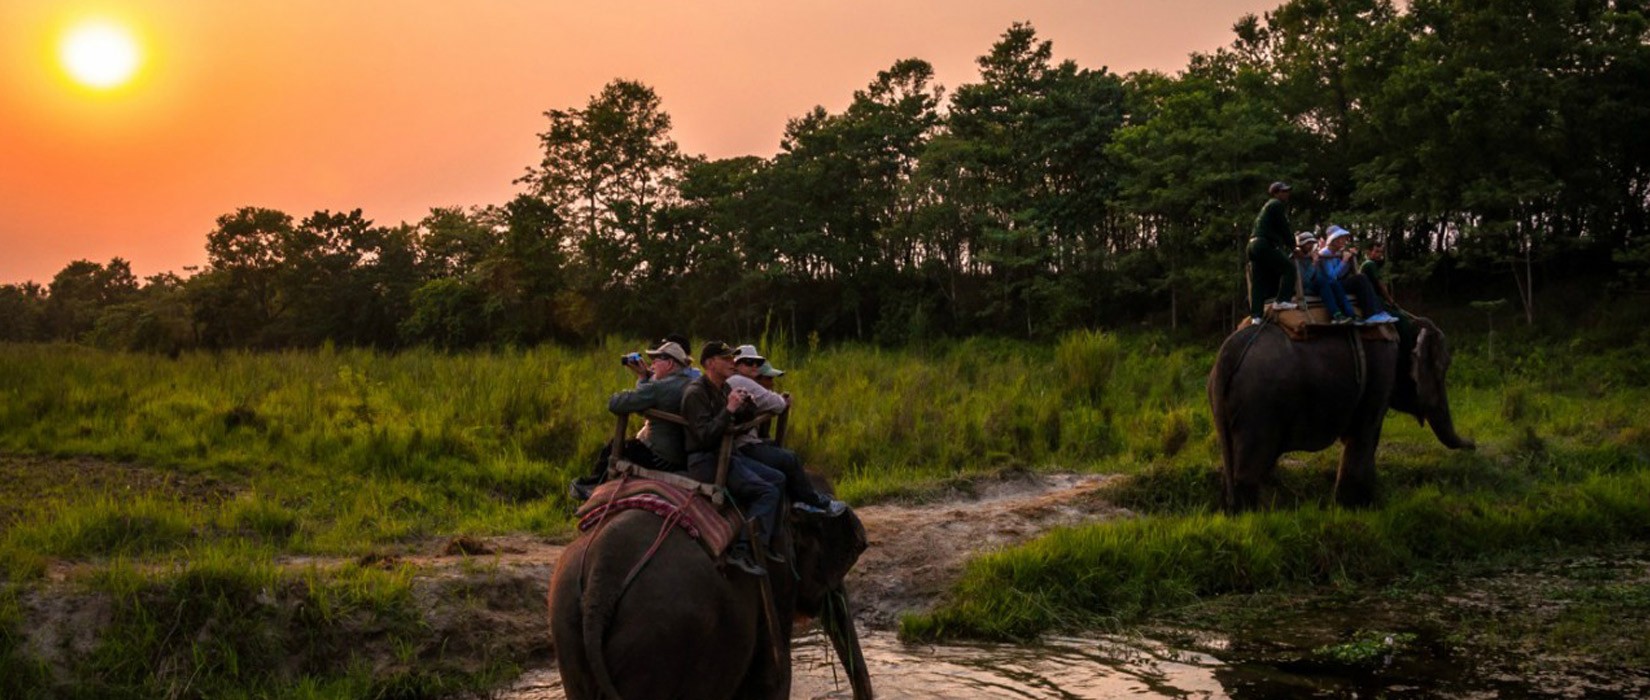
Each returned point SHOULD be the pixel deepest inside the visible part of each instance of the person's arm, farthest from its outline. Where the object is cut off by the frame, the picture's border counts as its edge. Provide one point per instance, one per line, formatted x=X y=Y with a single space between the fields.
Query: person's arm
x=765 y=400
x=707 y=419
x=643 y=397
x=1372 y=272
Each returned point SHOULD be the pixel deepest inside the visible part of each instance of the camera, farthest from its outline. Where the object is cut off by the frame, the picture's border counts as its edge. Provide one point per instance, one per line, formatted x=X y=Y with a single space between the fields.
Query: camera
x=634 y=358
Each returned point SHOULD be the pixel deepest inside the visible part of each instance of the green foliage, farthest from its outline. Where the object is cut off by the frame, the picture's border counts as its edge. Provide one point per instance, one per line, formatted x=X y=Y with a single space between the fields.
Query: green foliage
x=1121 y=571
x=1367 y=647
x=1475 y=139
x=1088 y=359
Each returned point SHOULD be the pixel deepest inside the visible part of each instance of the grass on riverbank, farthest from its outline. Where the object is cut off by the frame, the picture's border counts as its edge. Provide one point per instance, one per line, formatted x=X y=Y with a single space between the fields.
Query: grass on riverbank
x=1563 y=460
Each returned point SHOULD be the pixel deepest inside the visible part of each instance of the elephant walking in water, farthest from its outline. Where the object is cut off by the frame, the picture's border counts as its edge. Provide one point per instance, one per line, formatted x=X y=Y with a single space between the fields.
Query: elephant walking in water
x=683 y=628
x=1271 y=394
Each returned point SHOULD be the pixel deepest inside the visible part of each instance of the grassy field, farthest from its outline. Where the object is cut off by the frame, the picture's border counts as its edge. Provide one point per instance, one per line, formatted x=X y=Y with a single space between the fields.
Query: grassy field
x=1563 y=462
x=346 y=452
x=178 y=483
x=171 y=485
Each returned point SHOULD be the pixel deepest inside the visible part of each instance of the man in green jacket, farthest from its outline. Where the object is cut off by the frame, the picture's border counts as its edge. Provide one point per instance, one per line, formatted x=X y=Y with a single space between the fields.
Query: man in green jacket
x=1271 y=272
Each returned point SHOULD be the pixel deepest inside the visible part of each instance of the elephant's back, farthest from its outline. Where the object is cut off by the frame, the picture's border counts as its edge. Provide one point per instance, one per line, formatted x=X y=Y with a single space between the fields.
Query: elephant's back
x=670 y=616
x=1259 y=368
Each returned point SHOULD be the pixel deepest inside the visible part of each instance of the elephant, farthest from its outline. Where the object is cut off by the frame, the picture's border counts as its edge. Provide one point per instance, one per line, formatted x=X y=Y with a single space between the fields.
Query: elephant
x=1270 y=395
x=684 y=628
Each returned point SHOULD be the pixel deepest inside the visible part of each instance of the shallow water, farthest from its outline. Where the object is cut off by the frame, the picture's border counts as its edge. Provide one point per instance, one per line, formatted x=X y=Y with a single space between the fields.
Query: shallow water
x=1065 y=668
x=1055 y=668
x=1477 y=637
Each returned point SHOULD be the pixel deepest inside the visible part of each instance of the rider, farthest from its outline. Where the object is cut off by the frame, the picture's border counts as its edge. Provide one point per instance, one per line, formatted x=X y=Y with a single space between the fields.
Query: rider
x=711 y=407
x=662 y=446
x=1271 y=274
x=748 y=364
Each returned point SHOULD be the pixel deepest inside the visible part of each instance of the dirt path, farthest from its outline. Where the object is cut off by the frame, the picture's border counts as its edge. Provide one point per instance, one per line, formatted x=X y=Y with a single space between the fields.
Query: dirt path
x=916 y=552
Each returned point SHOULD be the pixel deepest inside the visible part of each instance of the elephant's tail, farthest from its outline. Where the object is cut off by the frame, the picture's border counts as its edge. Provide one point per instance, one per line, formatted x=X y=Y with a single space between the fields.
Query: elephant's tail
x=599 y=604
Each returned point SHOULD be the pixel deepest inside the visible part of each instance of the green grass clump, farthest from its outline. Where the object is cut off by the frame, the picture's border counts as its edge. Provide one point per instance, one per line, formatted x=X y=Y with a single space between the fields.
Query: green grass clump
x=229 y=624
x=1112 y=572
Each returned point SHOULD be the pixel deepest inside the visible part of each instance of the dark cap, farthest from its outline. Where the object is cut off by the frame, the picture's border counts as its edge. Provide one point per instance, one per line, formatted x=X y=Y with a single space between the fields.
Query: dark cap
x=1279 y=186
x=715 y=348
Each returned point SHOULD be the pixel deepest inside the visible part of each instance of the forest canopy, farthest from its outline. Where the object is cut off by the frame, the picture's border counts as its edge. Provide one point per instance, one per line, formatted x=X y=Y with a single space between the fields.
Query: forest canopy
x=1498 y=148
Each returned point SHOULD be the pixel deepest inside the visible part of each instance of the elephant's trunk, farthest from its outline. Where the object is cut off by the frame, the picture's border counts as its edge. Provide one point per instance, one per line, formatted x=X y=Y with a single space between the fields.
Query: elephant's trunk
x=839 y=627
x=1443 y=426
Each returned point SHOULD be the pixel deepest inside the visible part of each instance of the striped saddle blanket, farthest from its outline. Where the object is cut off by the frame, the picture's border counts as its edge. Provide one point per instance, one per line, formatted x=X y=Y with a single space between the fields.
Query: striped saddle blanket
x=694 y=514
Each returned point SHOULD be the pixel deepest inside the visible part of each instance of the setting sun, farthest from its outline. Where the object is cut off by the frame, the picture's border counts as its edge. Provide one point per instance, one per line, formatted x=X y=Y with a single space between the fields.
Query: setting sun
x=99 y=54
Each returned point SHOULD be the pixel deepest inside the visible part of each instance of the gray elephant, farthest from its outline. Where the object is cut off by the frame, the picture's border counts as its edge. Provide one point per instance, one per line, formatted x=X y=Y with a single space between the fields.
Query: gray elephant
x=683 y=628
x=1272 y=395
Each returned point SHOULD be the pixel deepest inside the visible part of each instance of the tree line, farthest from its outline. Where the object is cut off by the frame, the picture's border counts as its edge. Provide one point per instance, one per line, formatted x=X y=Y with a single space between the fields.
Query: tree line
x=1495 y=146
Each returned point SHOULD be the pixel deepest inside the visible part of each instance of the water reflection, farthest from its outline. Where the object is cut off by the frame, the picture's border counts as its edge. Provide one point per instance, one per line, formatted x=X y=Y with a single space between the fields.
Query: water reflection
x=1056 y=668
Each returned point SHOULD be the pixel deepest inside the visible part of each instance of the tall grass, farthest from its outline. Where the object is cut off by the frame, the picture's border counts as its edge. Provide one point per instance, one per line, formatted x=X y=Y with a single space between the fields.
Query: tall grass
x=343 y=451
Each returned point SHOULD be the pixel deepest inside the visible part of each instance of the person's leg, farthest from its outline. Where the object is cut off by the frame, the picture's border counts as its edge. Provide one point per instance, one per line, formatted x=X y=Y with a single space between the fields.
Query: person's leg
x=1341 y=302
x=758 y=486
x=1368 y=298
x=1286 y=279
x=1271 y=276
x=1333 y=302
x=804 y=497
x=785 y=462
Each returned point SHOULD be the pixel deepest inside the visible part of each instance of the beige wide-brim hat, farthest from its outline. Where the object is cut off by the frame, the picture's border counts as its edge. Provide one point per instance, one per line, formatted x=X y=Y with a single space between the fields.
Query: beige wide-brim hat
x=672 y=351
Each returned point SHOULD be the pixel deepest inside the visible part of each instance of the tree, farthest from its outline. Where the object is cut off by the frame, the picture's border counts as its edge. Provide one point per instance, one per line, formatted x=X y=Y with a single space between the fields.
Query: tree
x=22 y=312
x=607 y=170
x=1023 y=179
x=80 y=292
x=1202 y=148
x=235 y=298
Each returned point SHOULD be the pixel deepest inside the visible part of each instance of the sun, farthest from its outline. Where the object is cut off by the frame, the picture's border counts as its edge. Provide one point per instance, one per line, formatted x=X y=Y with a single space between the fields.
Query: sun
x=99 y=54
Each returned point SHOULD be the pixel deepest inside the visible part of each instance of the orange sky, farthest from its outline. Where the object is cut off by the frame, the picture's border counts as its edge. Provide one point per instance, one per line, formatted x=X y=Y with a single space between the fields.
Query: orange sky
x=396 y=106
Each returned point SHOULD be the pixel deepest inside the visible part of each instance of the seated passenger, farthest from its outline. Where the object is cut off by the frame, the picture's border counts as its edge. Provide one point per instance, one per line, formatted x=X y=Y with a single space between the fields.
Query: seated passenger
x=748 y=364
x=711 y=407
x=1339 y=277
x=1371 y=271
x=662 y=446
x=1332 y=261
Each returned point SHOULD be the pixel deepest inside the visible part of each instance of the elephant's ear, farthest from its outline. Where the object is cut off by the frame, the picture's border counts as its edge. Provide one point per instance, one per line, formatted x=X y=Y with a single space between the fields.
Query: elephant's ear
x=1430 y=364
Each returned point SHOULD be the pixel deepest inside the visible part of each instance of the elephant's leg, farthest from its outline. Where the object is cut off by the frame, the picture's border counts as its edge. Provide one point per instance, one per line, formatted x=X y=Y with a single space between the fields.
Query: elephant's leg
x=1252 y=459
x=1355 y=480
